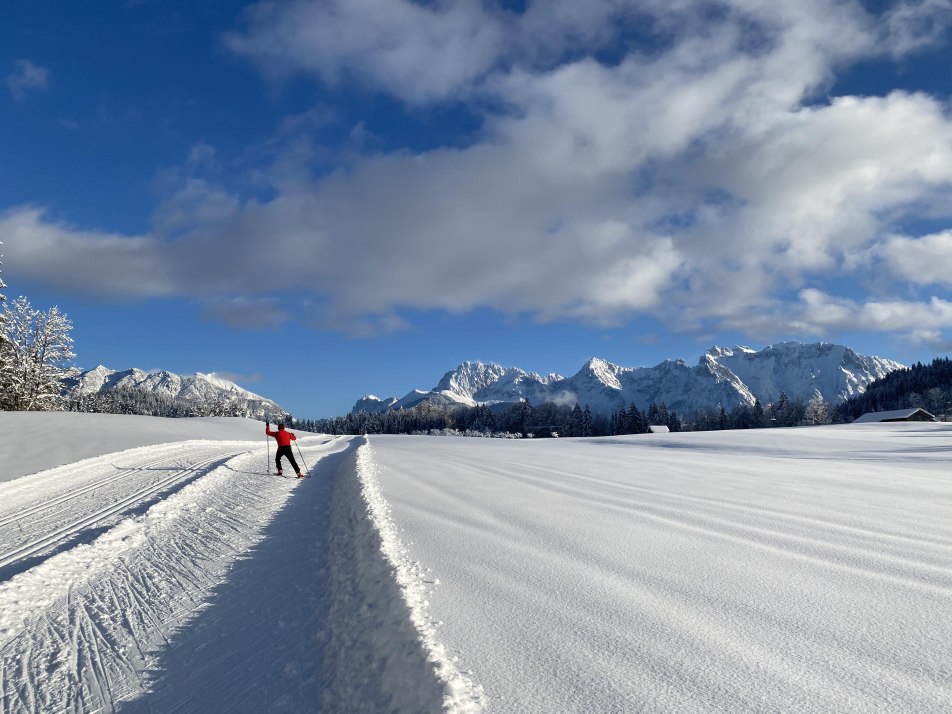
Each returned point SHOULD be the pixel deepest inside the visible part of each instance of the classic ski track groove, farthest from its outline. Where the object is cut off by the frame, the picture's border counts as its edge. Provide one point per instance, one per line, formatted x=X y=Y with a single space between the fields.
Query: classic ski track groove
x=72 y=494
x=103 y=642
x=37 y=546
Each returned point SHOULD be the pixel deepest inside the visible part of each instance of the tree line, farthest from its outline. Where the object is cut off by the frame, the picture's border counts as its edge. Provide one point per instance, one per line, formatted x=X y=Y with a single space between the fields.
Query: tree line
x=527 y=420
x=129 y=400
x=926 y=386
x=520 y=420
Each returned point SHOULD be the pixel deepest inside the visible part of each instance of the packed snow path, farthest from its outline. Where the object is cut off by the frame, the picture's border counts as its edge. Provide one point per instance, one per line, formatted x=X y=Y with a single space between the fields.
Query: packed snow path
x=177 y=577
x=805 y=570
x=776 y=570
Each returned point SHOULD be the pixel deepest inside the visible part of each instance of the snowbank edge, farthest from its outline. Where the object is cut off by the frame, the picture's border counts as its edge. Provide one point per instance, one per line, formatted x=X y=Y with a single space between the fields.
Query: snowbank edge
x=384 y=652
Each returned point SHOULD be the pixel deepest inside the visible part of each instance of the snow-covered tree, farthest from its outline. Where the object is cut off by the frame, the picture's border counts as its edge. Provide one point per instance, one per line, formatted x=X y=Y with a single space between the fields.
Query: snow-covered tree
x=4 y=353
x=38 y=351
x=2 y=285
x=817 y=411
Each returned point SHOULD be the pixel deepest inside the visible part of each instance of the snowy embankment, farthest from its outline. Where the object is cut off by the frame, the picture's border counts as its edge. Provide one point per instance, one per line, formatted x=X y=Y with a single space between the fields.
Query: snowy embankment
x=183 y=577
x=804 y=570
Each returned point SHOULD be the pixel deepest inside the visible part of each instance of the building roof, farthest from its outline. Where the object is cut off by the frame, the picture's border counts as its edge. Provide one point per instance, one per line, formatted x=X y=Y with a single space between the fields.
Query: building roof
x=894 y=415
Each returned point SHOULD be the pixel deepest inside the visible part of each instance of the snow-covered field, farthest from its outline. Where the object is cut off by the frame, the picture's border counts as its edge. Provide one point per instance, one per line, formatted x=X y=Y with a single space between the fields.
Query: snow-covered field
x=777 y=570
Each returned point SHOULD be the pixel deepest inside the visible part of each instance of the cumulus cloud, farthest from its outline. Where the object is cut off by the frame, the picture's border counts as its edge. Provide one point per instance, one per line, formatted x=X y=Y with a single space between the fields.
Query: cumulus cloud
x=26 y=77
x=421 y=52
x=925 y=260
x=702 y=176
x=819 y=313
x=97 y=263
x=933 y=339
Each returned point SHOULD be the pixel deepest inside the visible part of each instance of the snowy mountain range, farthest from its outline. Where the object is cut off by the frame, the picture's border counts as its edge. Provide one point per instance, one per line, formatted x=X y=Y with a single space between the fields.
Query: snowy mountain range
x=728 y=377
x=205 y=389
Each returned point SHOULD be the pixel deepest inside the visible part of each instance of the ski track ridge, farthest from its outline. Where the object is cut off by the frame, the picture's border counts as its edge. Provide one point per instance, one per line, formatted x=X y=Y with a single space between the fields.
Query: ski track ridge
x=180 y=478
x=461 y=694
x=96 y=626
x=18 y=514
x=80 y=631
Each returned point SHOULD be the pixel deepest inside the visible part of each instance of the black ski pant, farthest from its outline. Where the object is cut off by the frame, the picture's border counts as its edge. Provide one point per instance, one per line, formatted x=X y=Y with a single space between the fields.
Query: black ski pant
x=286 y=451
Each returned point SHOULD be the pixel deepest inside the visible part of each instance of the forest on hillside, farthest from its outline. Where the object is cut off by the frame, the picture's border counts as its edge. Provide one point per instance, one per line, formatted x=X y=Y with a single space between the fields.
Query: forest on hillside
x=927 y=386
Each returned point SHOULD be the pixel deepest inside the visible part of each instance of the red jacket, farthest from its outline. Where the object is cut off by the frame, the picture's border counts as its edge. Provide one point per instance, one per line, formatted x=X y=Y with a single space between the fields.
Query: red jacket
x=283 y=436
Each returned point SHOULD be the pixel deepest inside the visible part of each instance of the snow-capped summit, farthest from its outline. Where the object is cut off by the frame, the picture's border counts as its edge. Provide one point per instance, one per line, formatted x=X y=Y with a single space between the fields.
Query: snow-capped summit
x=489 y=383
x=372 y=404
x=723 y=376
x=834 y=371
x=602 y=371
x=205 y=390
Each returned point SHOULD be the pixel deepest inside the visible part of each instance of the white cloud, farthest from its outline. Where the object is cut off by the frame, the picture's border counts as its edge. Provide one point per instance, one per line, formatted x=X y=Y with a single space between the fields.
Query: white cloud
x=823 y=313
x=923 y=260
x=421 y=52
x=700 y=178
x=41 y=249
x=933 y=339
x=914 y=25
x=25 y=78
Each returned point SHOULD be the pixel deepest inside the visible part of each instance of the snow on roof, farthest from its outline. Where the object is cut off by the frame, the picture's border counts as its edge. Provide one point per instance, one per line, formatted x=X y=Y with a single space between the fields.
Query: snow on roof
x=658 y=429
x=871 y=417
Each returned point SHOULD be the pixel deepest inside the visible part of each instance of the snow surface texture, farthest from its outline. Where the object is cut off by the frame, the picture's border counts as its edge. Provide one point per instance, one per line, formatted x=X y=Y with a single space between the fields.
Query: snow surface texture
x=461 y=694
x=34 y=441
x=805 y=570
x=184 y=577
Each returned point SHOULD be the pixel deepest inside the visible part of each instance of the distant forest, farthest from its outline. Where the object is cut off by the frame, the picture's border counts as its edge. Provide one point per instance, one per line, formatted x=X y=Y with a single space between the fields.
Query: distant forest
x=926 y=386
x=547 y=420
x=130 y=400
x=929 y=387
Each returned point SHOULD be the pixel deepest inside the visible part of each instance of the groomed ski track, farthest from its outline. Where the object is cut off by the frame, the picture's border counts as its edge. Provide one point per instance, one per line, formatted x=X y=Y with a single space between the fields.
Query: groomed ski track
x=183 y=578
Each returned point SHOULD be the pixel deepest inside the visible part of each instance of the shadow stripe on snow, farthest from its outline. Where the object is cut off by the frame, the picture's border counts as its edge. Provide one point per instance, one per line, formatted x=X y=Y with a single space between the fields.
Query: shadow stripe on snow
x=382 y=636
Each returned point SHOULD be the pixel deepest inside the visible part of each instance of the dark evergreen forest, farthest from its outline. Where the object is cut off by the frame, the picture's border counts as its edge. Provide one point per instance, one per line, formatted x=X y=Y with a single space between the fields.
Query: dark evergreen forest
x=926 y=386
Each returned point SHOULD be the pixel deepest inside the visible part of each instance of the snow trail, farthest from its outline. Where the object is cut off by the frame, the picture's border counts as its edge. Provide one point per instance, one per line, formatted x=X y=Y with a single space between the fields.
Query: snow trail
x=406 y=609
x=97 y=494
x=182 y=578
x=107 y=625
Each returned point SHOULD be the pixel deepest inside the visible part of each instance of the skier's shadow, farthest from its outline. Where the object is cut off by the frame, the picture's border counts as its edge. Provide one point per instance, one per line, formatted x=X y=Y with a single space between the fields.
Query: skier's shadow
x=256 y=646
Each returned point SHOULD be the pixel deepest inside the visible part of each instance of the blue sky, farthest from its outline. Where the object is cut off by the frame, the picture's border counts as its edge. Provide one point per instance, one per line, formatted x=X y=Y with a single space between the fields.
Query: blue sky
x=323 y=198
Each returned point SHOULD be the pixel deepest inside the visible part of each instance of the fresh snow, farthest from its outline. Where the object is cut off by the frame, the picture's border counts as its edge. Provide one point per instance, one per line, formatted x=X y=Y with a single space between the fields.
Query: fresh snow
x=804 y=570
x=34 y=441
x=776 y=570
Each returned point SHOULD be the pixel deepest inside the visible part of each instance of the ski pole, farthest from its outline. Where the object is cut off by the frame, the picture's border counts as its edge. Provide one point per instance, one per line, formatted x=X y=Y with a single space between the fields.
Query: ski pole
x=267 y=445
x=302 y=458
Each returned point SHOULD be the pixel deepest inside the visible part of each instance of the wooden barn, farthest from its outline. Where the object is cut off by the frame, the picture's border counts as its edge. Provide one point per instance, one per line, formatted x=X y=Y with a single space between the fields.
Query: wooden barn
x=911 y=414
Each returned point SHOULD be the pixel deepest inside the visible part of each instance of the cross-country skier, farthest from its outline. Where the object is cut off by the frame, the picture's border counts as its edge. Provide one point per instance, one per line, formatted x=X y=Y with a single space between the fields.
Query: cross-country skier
x=284 y=439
